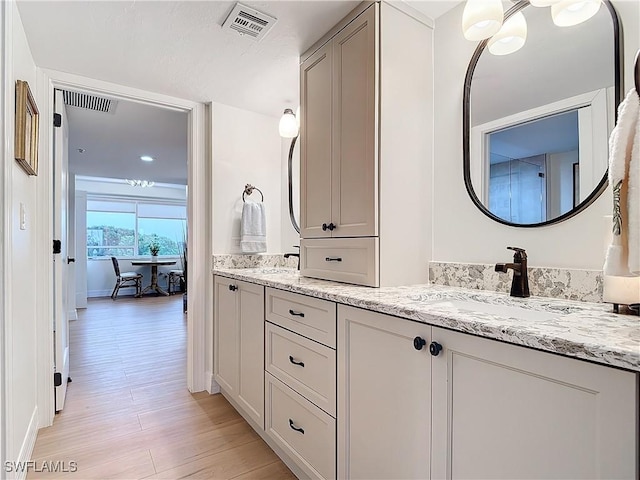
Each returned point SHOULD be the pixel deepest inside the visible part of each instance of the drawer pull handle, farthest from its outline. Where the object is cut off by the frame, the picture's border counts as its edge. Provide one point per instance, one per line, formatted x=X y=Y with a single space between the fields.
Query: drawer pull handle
x=296 y=314
x=293 y=427
x=333 y=259
x=294 y=362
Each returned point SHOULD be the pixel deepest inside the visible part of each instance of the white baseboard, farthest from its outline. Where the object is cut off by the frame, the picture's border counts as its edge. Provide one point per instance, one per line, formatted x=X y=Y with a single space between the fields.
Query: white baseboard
x=27 y=446
x=214 y=387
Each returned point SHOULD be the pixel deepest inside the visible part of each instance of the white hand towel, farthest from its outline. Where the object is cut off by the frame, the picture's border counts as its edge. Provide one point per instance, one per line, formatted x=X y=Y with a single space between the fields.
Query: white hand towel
x=624 y=170
x=253 y=228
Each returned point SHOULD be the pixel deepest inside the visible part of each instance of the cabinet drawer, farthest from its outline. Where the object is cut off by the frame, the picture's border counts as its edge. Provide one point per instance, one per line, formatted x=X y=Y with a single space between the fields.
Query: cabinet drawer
x=349 y=260
x=304 y=431
x=308 y=316
x=304 y=365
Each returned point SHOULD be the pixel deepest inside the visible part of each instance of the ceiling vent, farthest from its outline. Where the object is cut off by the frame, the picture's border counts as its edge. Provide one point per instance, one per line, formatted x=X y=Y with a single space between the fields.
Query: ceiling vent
x=90 y=102
x=248 y=22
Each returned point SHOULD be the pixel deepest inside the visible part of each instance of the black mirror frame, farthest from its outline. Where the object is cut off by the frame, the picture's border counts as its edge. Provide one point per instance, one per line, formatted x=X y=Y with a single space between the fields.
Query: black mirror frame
x=466 y=163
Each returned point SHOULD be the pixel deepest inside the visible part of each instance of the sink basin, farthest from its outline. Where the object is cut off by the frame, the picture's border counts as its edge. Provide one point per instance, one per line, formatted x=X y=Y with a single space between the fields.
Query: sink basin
x=520 y=313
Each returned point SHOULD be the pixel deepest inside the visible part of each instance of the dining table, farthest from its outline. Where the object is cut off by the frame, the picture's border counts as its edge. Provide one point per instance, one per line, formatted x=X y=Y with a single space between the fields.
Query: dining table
x=154 y=263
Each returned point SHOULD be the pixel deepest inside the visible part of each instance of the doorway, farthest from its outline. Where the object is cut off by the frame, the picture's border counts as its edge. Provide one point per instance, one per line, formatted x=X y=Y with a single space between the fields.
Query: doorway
x=198 y=213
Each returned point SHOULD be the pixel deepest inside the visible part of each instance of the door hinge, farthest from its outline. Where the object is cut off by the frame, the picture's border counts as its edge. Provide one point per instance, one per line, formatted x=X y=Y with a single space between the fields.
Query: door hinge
x=57 y=379
x=57 y=120
x=57 y=246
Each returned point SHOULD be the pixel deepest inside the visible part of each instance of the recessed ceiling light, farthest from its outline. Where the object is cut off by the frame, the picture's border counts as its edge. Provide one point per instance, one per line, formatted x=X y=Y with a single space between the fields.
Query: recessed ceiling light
x=81 y=150
x=146 y=158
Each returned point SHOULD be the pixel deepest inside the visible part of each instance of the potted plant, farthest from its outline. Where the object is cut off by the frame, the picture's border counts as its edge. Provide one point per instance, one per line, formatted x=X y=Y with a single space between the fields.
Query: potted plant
x=154 y=248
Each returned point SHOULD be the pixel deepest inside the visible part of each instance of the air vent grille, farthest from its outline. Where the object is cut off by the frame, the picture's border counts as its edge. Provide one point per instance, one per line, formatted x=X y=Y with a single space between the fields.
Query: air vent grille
x=249 y=22
x=89 y=102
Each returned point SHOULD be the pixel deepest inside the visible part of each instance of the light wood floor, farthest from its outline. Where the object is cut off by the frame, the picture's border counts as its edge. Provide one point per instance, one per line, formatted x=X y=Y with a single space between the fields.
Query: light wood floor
x=128 y=412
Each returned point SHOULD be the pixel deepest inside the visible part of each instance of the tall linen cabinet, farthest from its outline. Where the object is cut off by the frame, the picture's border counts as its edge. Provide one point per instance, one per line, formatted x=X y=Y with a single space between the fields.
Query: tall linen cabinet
x=366 y=143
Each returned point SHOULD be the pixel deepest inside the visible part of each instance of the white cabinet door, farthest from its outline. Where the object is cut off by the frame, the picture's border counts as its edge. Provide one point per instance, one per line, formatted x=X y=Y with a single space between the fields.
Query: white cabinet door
x=315 y=152
x=354 y=181
x=384 y=396
x=226 y=335
x=506 y=412
x=239 y=344
x=251 y=350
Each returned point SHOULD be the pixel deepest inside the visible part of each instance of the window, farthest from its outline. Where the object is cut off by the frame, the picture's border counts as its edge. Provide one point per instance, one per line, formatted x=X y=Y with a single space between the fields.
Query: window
x=128 y=227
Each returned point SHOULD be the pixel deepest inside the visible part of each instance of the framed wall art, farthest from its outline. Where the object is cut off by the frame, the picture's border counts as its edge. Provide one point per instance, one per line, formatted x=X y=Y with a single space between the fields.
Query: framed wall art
x=26 y=140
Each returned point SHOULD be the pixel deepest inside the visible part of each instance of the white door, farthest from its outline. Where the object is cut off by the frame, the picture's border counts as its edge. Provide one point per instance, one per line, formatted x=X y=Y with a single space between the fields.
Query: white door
x=60 y=283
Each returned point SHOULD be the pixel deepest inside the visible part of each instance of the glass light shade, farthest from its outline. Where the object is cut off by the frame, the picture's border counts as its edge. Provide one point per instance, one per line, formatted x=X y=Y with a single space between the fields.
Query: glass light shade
x=567 y=13
x=288 y=126
x=543 y=3
x=298 y=117
x=481 y=19
x=511 y=36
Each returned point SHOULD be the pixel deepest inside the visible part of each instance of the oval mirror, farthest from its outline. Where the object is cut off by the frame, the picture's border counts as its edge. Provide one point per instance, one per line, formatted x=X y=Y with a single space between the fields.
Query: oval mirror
x=536 y=122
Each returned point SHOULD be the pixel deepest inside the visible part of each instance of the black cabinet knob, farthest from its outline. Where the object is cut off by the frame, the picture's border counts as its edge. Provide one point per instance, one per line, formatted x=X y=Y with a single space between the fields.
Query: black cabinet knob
x=419 y=342
x=324 y=227
x=435 y=348
x=332 y=227
x=233 y=288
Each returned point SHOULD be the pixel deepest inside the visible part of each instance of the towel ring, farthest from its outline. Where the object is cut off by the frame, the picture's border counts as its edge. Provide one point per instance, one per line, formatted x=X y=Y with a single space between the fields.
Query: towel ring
x=248 y=190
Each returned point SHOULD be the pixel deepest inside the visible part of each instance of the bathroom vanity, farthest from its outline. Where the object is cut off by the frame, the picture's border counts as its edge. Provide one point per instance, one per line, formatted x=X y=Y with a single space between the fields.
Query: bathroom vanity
x=427 y=381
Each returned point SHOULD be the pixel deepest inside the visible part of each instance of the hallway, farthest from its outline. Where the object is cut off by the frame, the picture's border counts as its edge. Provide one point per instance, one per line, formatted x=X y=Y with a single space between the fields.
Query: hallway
x=128 y=413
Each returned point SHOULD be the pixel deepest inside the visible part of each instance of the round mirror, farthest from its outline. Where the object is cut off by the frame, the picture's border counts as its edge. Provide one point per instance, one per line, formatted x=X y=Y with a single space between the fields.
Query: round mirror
x=536 y=122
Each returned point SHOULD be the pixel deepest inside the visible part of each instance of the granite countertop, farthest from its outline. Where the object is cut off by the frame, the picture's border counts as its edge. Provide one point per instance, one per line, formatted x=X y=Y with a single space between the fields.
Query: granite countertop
x=583 y=330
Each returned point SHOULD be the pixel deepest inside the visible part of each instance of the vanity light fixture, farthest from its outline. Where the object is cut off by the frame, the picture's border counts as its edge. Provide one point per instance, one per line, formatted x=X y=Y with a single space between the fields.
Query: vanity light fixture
x=140 y=183
x=146 y=158
x=511 y=36
x=481 y=19
x=288 y=126
x=567 y=13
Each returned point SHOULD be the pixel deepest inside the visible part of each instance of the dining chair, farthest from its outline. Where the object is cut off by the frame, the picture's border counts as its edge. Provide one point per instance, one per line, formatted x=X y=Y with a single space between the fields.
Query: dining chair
x=125 y=280
x=173 y=283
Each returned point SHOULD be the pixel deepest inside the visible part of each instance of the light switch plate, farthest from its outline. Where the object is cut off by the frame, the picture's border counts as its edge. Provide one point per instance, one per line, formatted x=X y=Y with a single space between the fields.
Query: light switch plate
x=23 y=217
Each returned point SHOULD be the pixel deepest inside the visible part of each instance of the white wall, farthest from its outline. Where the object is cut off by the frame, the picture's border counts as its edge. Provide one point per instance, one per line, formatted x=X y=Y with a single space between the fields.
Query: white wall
x=21 y=272
x=246 y=149
x=461 y=232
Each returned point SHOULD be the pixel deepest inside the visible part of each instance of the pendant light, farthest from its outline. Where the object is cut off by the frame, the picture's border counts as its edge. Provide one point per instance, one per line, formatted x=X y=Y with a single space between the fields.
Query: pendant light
x=567 y=13
x=288 y=126
x=481 y=19
x=511 y=36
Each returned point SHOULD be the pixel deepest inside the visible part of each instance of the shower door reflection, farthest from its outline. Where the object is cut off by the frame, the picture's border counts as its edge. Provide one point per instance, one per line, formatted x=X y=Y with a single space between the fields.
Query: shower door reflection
x=517 y=189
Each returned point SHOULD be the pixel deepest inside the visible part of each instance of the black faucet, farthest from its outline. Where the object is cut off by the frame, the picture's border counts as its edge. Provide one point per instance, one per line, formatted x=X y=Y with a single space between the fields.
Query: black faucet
x=287 y=255
x=520 y=282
